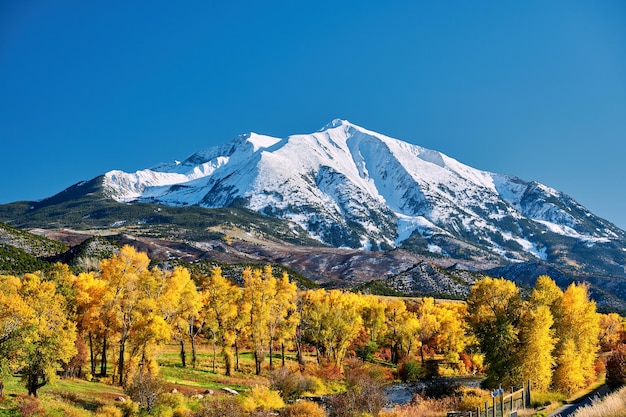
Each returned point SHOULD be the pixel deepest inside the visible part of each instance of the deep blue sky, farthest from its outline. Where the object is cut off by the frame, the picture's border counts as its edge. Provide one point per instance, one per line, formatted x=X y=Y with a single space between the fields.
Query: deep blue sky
x=535 y=89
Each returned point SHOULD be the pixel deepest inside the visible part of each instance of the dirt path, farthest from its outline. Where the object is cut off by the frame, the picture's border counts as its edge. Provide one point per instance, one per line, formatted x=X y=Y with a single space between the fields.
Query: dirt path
x=570 y=409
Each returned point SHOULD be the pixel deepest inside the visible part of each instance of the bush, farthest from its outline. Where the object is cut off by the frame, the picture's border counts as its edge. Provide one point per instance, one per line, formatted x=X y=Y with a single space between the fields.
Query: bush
x=221 y=407
x=291 y=385
x=30 y=406
x=410 y=371
x=303 y=409
x=109 y=411
x=365 y=392
x=145 y=389
x=264 y=399
x=616 y=368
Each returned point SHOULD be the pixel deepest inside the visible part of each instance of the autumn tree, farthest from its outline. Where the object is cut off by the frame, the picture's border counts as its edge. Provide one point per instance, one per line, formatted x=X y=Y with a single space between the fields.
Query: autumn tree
x=450 y=339
x=611 y=330
x=259 y=288
x=88 y=298
x=428 y=323
x=402 y=328
x=577 y=328
x=179 y=305
x=52 y=336
x=284 y=315
x=132 y=301
x=494 y=307
x=331 y=321
x=16 y=322
x=220 y=308
x=537 y=346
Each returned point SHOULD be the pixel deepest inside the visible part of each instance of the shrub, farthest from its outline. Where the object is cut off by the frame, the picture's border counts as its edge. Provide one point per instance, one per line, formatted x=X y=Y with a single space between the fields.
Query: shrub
x=264 y=399
x=410 y=371
x=291 y=385
x=303 y=409
x=221 y=407
x=30 y=406
x=616 y=368
x=108 y=411
x=365 y=392
x=145 y=389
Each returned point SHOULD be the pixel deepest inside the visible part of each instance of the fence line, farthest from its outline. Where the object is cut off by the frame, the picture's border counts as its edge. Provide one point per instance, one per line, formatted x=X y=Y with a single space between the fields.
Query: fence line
x=502 y=405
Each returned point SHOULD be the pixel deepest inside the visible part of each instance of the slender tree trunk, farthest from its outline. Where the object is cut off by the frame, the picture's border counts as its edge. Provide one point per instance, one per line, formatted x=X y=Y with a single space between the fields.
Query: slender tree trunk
x=121 y=361
x=237 y=356
x=194 y=358
x=257 y=362
x=92 y=355
x=1 y=389
x=299 y=355
x=103 y=362
x=183 y=354
x=282 y=350
x=271 y=356
x=422 y=352
x=214 y=356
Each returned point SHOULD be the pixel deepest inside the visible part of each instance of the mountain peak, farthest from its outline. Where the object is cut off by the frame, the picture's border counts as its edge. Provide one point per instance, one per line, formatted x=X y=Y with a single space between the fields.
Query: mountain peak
x=352 y=187
x=335 y=123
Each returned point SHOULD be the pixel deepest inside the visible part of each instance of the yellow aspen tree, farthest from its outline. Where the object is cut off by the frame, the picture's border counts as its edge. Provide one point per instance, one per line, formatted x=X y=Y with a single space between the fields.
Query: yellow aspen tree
x=537 y=346
x=259 y=288
x=451 y=337
x=428 y=323
x=342 y=324
x=53 y=335
x=577 y=328
x=124 y=274
x=16 y=316
x=220 y=299
x=331 y=320
x=569 y=375
x=546 y=293
x=397 y=316
x=373 y=315
x=179 y=302
x=312 y=309
x=89 y=297
x=285 y=316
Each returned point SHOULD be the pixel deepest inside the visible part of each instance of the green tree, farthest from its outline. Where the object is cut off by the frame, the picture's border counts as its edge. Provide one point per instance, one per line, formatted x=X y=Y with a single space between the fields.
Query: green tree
x=494 y=307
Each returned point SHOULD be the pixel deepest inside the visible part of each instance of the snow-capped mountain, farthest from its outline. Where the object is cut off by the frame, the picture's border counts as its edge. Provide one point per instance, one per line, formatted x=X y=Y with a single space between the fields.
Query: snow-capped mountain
x=352 y=187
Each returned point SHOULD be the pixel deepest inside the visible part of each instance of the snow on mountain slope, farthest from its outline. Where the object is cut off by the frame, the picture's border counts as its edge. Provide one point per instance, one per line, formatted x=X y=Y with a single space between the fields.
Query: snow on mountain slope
x=349 y=186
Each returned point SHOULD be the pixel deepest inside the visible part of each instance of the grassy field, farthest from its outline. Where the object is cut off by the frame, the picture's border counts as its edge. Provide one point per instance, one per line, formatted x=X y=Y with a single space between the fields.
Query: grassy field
x=78 y=397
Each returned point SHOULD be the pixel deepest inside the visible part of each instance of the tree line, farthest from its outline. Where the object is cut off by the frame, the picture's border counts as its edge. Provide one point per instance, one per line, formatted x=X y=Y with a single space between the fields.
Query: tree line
x=114 y=321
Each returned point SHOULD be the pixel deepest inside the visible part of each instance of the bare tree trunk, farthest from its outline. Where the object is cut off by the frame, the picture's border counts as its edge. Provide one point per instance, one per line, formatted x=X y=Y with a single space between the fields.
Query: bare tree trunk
x=183 y=354
x=282 y=349
x=92 y=355
x=120 y=365
x=214 y=356
x=271 y=356
x=103 y=362
x=237 y=356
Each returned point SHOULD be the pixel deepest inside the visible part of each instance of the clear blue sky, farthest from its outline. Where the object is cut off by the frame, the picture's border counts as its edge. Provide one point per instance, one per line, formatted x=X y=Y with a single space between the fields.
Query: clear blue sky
x=535 y=89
